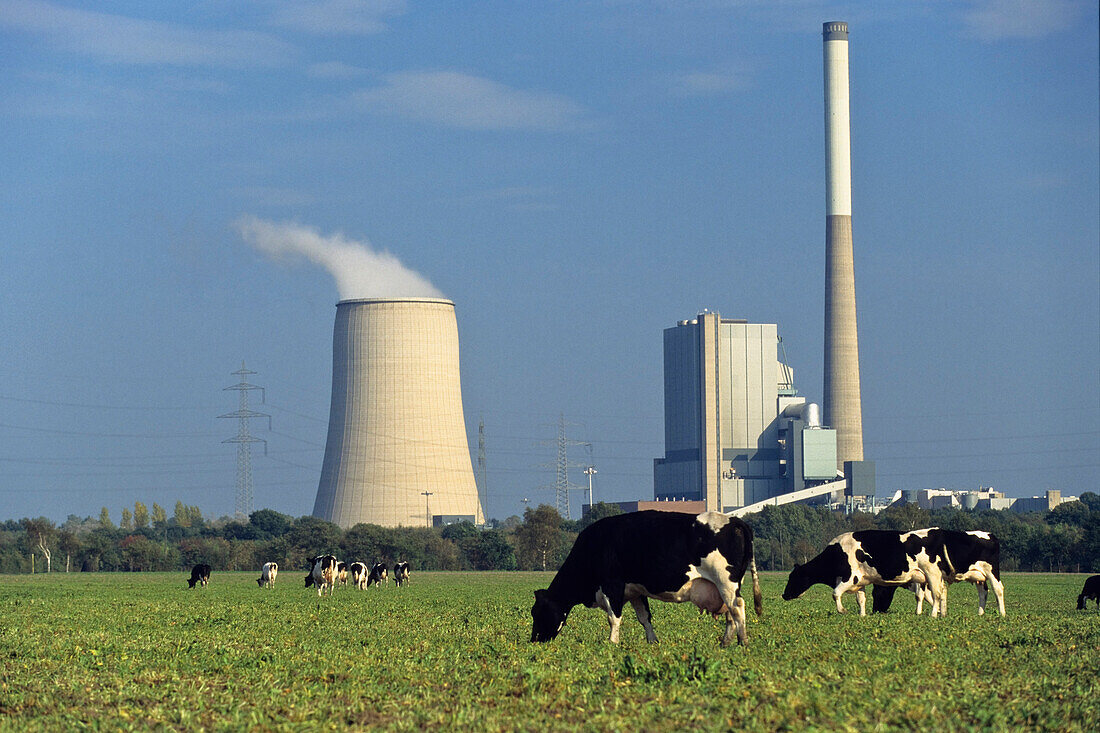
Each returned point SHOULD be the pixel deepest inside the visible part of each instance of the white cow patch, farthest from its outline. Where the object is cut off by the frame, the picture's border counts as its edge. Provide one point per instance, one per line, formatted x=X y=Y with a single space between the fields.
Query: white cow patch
x=714 y=520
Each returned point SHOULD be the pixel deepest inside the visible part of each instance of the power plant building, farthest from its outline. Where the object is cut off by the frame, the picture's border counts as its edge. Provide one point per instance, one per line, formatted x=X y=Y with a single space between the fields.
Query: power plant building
x=736 y=430
x=396 y=453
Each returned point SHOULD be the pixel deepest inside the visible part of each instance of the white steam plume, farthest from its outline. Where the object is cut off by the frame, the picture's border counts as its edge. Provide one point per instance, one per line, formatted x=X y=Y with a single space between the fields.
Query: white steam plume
x=359 y=271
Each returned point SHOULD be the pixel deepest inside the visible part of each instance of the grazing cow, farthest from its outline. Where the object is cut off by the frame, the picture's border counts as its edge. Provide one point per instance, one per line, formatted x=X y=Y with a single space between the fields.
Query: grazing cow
x=1091 y=591
x=267 y=575
x=357 y=571
x=881 y=596
x=377 y=574
x=934 y=557
x=629 y=558
x=323 y=574
x=342 y=573
x=199 y=574
x=401 y=573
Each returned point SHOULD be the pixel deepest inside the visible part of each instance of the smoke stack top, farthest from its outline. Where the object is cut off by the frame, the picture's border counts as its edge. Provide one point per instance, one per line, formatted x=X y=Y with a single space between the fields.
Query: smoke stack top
x=359 y=270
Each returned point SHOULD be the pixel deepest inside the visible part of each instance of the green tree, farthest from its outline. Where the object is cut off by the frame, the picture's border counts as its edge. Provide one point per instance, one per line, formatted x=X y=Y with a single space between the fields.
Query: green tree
x=905 y=518
x=127 y=521
x=487 y=550
x=365 y=543
x=69 y=544
x=181 y=515
x=310 y=537
x=598 y=511
x=270 y=523
x=105 y=519
x=160 y=517
x=141 y=516
x=41 y=533
x=139 y=553
x=540 y=541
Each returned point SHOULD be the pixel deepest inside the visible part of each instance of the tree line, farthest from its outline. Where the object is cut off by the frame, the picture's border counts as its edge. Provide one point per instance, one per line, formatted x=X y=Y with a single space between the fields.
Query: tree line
x=1066 y=539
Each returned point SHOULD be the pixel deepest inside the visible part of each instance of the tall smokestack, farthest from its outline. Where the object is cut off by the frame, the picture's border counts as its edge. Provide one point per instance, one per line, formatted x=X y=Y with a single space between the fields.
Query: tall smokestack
x=842 y=409
x=396 y=429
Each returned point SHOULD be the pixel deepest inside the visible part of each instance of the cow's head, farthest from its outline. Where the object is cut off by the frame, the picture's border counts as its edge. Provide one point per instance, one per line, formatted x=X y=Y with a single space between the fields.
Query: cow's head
x=547 y=616
x=798 y=582
x=1081 y=602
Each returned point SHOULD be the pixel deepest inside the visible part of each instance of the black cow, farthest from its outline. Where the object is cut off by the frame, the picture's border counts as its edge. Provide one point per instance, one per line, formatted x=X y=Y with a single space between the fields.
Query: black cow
x=199 y=574
x=400 y=573
x=934 y=557
x=377 y=574
x=1091 y=591
x=650 y=554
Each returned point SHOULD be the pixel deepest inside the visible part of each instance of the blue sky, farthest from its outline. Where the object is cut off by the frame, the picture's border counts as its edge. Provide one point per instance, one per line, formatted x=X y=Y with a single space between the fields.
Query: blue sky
x=577 y=177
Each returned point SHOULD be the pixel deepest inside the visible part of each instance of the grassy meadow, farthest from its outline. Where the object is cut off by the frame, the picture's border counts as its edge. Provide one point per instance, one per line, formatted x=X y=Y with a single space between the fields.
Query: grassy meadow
x=140 y=651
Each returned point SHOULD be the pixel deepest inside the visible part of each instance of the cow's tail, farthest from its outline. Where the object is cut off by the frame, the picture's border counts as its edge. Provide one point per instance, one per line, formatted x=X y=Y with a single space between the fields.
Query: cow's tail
x=757 y=598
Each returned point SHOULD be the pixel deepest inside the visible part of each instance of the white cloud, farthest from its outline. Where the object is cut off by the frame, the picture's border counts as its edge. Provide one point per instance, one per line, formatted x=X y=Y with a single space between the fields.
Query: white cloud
x=119 y=39
x=336 y=17
x=475 y=103
x=995 y=20
x=359 y=270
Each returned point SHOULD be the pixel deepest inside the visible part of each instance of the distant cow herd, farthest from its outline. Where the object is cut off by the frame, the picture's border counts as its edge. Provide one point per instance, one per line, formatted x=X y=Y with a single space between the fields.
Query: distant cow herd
x=325 y=573
x=702 y=559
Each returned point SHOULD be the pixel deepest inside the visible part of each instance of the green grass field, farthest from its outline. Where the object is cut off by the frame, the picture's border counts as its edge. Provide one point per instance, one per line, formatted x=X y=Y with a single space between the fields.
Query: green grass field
x=139 y=651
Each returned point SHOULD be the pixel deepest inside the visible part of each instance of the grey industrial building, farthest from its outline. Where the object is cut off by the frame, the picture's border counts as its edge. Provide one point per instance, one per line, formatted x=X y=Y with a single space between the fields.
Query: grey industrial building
x=736 y=430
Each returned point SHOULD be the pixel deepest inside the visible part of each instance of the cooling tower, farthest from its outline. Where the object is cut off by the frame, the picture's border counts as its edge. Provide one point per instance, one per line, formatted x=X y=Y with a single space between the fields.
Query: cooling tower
x=396 y=427
x=842 y=409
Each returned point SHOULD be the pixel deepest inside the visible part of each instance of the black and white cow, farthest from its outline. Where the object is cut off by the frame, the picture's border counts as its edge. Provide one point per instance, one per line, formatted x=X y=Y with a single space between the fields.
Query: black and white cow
x=1091 y=591
x=629 y=558
x=200 y=574
x=357 y=571
x=377 y=574
x=933 y=557
x=267 y=575
x=342 y=573
x=976 y=573
x=322 y=574
x=401 y=573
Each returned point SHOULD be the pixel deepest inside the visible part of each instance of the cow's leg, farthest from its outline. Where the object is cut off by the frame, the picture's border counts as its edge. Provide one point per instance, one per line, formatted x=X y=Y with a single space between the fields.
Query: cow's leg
x=938 y=588
x=983 y=593
x=645 y=618
x=736 y=618
x=614 y=611
x=923 y=593
x=844 y=585
x=999 y=592
x=735 y=607
x=861 y=601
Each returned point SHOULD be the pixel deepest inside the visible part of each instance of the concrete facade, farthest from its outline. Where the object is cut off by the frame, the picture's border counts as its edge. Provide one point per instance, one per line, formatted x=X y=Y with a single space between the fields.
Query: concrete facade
x=396 y=426
x=725 y=391
x=842 y=406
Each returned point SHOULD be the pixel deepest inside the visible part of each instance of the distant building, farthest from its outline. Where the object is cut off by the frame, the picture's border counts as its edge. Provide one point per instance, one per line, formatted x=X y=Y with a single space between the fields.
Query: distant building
x=683 y=507
x=980 y=499
x=736 y=431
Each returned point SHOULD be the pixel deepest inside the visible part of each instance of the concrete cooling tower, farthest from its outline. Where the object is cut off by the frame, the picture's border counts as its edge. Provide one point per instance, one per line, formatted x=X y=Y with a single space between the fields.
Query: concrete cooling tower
x=396 y=429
